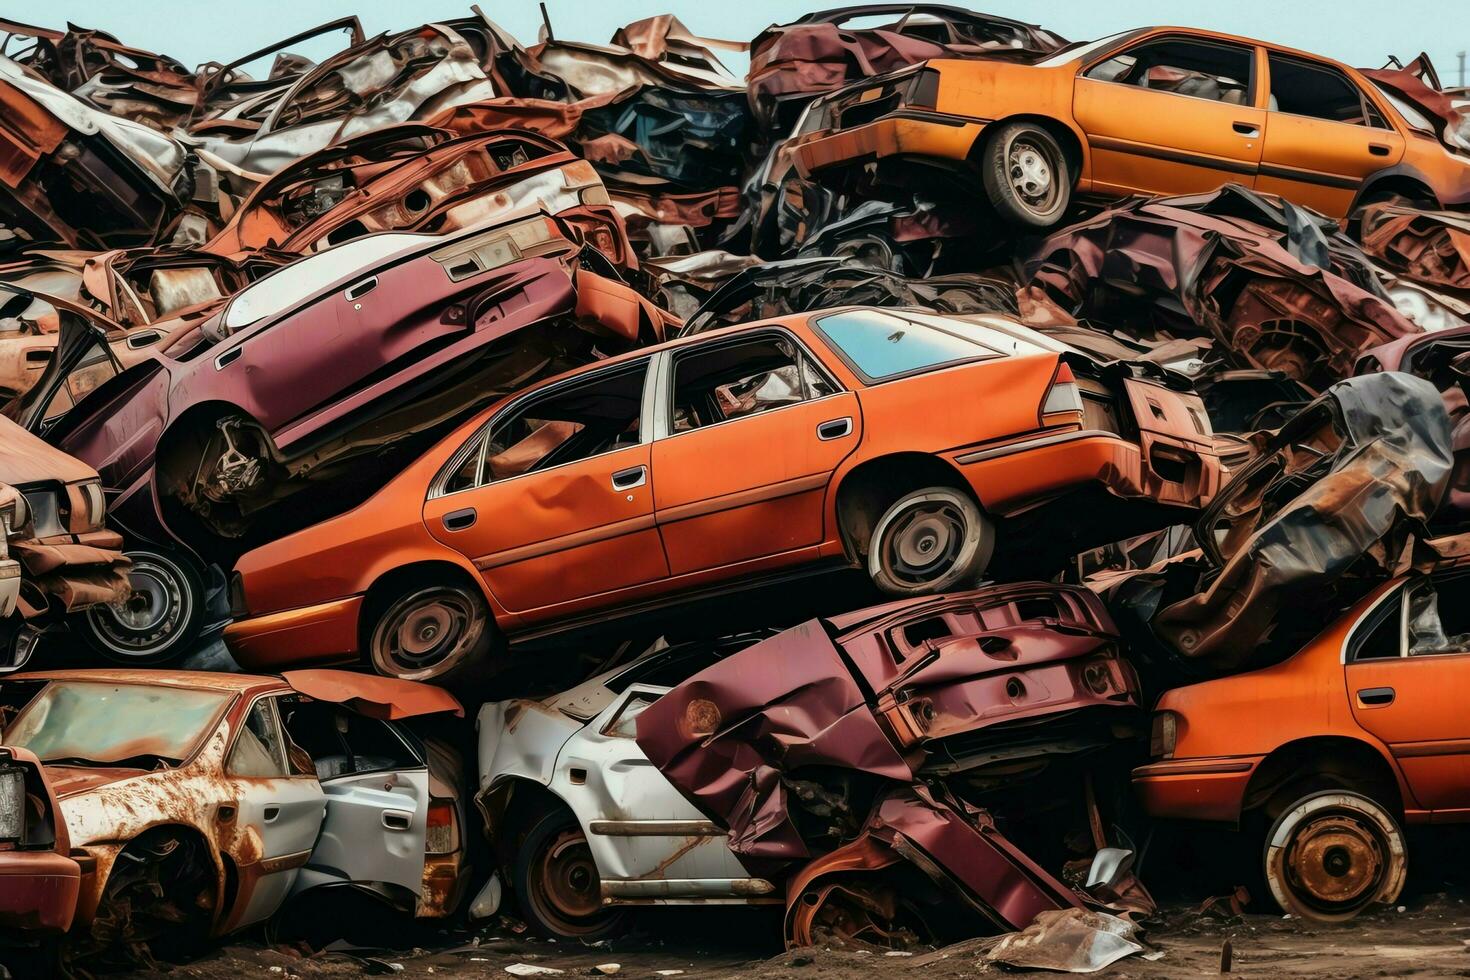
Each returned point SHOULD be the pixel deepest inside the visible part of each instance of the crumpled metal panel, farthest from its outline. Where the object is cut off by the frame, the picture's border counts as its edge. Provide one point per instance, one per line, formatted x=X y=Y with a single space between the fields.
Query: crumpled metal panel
x=1429 y=247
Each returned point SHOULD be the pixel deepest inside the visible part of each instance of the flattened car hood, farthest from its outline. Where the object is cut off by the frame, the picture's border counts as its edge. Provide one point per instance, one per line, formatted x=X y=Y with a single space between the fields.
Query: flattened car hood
x=24 y=458
x=384 y=698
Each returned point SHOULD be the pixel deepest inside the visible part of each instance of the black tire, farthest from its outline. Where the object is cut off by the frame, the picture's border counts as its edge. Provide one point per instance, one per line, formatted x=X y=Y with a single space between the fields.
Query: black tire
x=435 y=633
x=162 y=618
x=557 y=884
x=1026 y=175
x=932 y=540
x=1333 y=853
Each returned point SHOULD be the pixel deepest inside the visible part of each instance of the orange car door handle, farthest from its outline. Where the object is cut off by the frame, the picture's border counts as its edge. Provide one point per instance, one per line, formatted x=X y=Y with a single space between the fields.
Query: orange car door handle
x=1379 y=149
x=1247 y=129
x=1375 y=696
x=459 y=520
x=834 y=429
x=633 y=476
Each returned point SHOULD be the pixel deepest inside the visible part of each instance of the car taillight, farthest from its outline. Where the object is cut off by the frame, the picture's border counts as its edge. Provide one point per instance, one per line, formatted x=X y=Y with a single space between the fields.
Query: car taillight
x=12 y=803
x=1064 y=398
x=1164 y=735
x=442 y=835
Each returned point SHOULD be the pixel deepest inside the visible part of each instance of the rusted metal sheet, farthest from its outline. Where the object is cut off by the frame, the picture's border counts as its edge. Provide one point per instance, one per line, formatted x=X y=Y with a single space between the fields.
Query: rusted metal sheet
x=1429 y=247
x=387 y=698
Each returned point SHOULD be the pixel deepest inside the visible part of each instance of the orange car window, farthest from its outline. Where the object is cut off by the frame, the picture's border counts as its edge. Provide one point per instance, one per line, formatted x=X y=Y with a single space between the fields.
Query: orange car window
x=1219 y=72
x=1437 y=620
x=1303 y=88
x=731 y=381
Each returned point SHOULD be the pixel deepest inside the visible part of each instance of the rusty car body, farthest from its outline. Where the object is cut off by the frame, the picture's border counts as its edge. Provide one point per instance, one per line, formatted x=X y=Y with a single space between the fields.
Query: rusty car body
x=1159 y=110
x=1323 y=760
x=858 y=437
x=581 y=824
x=39 y=879
x=859 y=753
x=198 y=809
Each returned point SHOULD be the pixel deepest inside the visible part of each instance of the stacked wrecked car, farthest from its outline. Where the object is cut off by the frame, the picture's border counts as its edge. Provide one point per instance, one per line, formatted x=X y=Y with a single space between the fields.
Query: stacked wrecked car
x=894 y=487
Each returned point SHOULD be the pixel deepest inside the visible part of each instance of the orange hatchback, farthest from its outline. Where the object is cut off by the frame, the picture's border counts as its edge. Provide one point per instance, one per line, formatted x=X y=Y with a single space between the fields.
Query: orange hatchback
x=1162 y=110
x=1325 y=756
x=898 y=441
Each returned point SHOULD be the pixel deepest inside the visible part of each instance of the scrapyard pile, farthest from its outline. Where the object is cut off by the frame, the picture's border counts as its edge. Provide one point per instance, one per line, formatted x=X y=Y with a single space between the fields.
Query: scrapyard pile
x=889 y=487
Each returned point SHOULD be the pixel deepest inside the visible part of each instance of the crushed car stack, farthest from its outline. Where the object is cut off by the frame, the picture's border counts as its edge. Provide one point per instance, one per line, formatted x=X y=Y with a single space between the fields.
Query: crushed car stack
x=887 y=487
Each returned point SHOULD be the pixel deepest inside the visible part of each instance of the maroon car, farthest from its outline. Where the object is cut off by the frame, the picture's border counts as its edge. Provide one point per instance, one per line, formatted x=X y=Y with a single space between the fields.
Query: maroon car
x=325 y=375
x=839 y=749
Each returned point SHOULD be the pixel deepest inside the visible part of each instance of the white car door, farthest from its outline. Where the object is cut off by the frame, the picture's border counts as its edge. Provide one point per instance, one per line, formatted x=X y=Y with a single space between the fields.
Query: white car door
x=377 y=797
x=649 y=842
x=277 y=803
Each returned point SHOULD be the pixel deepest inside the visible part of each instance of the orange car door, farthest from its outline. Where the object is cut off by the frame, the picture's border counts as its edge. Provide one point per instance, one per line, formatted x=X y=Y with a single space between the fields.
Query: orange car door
x=754 y=430
x=553 y=501
x=1323 y=136
x=1170 y=115
x=1414 y=701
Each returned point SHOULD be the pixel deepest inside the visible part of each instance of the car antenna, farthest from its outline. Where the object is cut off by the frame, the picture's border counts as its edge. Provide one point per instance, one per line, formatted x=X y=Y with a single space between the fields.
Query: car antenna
x=546 y=20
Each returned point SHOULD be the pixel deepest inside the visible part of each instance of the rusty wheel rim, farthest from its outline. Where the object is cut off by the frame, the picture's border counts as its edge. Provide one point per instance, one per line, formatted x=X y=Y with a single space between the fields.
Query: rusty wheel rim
x=427 y=634
x=1336 y=861
x=565 y=884
x=923 y=543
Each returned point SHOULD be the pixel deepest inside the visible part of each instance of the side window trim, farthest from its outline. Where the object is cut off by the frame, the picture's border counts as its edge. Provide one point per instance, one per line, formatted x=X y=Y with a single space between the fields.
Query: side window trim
x=1368 y=621
x=1252 y=86
x=275 y=715
x=1367 y=106
x=436 y=488
x=663 y=427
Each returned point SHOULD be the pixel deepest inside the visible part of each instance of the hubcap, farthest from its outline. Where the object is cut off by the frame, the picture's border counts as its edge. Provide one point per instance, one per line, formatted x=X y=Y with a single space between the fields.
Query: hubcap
x=568 y=877
x=923 y=542
x=148 y=616
x=425 y=634
x=1336 y=860
x=1031 y=173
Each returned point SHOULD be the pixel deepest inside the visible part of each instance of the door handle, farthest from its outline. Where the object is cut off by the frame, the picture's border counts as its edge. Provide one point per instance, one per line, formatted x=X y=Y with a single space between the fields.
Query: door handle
x=227 y=357
x=633 y=476
x=270 y=813
x=1246 y=129
x=1379 y=149
x=834 y=428
x=1375 y=697
x=397 y=819
x=361 y=289
x=459 y=520
x=139 y=340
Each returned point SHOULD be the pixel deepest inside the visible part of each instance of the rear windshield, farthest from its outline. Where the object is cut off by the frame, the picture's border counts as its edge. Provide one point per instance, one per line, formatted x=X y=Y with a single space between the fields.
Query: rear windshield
x=881 y=345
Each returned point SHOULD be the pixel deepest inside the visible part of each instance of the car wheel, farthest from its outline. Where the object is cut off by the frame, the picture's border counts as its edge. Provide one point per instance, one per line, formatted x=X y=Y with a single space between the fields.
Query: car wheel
x=1026 y=175
x=158 y=621
x=1332 y=854
x=929 y=541
x=558 y=884
x=438 y=633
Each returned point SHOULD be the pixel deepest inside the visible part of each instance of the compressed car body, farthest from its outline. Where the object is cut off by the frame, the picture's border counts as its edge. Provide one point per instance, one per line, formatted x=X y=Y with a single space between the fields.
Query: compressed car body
x=39 y=880
x=199 y=811
x=628 y=517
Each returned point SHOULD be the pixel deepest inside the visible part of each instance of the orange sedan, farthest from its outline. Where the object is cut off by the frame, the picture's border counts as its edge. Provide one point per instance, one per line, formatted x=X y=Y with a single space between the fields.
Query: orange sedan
x=1161 y=110
x=1325 y=755
x=891 y=440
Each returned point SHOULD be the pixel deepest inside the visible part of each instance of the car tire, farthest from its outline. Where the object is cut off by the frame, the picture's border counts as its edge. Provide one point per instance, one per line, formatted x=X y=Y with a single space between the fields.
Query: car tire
x=159 y=621
x=929 y=541
x=557 y=884
x=1026 y=175
x=434 y=633
x=1331 y=854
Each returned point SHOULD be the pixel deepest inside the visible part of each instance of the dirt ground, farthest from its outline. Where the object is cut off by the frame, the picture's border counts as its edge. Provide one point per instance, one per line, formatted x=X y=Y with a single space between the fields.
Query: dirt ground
x=1430 y=938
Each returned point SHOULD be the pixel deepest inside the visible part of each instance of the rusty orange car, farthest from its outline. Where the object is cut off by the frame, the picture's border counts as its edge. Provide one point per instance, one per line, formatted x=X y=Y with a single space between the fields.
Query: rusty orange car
x=1324 y=757
x=897 y=441
x=1159 y=110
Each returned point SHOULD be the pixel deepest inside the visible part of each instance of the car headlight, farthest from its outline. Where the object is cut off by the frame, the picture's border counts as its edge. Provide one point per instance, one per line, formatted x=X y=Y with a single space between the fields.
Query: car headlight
x=12 y=803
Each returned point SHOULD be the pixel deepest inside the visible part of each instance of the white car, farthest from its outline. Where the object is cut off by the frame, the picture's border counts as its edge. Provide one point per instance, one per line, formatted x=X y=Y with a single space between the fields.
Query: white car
x=583 y=824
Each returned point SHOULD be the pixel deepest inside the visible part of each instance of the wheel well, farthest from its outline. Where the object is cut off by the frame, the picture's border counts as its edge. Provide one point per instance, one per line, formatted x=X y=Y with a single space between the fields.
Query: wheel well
x=196 y=421
x=393 y=583
x=221 y=866
x=509 y=808
x=1414 y=190
x=1066 y=139
x=1324 y=762
x=871 y=487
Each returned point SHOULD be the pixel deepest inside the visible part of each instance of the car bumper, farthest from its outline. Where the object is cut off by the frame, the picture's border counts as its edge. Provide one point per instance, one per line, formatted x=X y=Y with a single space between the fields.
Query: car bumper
x=939 y=137
x=38 y=891
x=1016 y=473
x=323 y=633
x=1195 y=789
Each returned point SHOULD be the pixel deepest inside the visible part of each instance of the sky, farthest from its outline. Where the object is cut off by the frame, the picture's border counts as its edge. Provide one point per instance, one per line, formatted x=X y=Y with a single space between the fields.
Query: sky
x=1360 y=32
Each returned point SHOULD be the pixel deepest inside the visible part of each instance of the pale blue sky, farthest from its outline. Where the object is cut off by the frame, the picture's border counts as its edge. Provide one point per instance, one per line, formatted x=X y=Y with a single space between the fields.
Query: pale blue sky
x=1361 y=32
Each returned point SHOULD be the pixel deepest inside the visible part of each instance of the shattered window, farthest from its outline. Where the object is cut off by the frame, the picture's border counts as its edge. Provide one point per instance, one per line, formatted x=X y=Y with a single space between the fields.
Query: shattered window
x=731 y=381
x=258 y=751
x=881 y=345
x=1302 y=88
x=1437 y=616
x=113 y=723
x=568 y=425
x=1201 y=70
